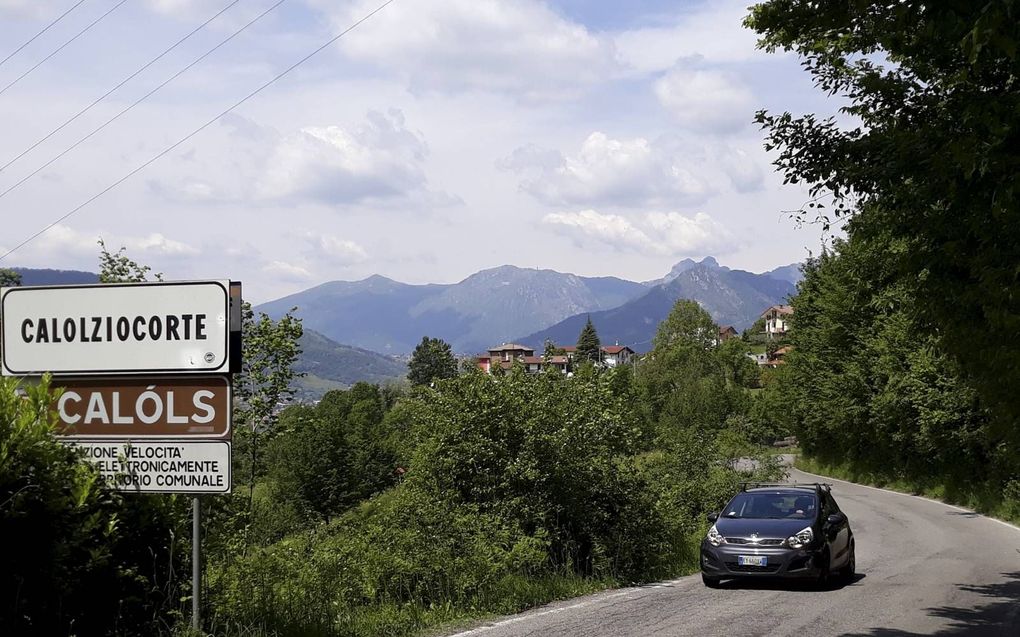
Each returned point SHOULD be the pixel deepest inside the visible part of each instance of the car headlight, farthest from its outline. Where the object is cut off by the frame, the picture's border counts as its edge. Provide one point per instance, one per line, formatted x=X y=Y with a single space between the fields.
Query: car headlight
x=801 y=539
x=714 y=537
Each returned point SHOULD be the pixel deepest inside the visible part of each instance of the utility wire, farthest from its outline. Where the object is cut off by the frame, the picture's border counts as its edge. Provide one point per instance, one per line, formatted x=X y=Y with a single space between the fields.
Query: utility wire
x=47 y=28
x=140 y=99
x=61 y=47
x=122 y=83
x=199 y=129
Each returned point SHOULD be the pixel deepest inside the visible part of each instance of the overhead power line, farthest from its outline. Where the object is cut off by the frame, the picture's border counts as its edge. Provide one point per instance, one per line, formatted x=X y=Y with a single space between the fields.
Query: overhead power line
x=45 y=29
x=120 y=84
x=140 y=100
x=198 y=130
x=61 y=47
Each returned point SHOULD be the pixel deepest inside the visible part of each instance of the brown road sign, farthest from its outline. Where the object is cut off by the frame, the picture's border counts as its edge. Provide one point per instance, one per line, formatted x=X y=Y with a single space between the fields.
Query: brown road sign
x=138 y=407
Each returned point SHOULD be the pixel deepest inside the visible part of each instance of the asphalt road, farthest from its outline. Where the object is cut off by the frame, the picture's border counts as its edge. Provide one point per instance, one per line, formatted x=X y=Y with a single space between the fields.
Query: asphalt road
x=924 y=568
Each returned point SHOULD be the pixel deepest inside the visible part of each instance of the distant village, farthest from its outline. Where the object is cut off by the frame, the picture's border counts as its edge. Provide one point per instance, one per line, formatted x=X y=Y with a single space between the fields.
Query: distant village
x=771 y=328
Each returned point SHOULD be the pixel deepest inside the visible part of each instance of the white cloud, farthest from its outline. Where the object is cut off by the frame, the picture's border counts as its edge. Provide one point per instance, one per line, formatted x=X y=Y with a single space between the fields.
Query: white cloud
x=714 y=31
x=605 y=171
x=676 y=234
x=334 y=250
x=156 y=243
x=664 y=233
x=744 y=171
x=705 y=101
x=520 y=47
x=28 y=9
x=610 y=229
x=174 y=7
x=287 y=271
x=379 y=159
x=62 y=243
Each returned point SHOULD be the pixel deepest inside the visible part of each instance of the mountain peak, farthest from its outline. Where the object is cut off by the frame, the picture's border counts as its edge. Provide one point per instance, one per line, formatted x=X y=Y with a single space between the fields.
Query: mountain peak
x=683 y=266
x=377 y=278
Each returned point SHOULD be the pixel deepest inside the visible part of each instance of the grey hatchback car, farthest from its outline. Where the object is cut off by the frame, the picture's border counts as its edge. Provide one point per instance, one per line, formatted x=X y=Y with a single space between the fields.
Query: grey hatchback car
x=791 y=531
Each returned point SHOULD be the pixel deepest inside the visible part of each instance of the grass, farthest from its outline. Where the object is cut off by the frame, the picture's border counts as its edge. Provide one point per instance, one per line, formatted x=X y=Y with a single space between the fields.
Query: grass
x=511 y=594
x=756 y=348
x=986 y=499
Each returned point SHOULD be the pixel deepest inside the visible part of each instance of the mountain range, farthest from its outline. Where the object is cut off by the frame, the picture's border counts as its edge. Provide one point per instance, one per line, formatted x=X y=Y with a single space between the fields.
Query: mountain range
x=490 y=306
x=731 y=297
x=525 y=305
x=43 y=276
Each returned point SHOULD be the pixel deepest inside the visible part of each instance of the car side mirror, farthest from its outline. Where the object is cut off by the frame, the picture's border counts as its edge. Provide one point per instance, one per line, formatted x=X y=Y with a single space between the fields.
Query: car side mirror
x=713 y=516
x=836 y=519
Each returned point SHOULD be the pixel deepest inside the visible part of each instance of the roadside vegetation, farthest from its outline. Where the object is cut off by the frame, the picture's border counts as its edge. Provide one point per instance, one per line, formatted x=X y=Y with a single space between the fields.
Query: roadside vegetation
x=904 y=363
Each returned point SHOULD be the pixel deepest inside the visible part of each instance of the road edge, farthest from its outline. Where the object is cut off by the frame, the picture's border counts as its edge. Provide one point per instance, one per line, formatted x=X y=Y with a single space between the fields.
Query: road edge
x=911 y=495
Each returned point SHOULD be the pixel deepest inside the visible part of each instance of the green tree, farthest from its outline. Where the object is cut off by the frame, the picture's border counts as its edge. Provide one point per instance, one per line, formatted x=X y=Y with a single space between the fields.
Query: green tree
x=865 y=386
x=589 y=348
x=928 y=165
x=116 y=267
x=548 y=457
x=755 y=333
x=686 y=326
x=431 y=360
x=684 y=386
x=549 y=349
x=9 y=278
x=265 y=382
x=739 y=368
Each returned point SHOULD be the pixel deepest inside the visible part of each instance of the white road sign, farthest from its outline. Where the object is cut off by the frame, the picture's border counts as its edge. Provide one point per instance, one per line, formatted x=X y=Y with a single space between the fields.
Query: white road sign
x=115 y=329
x=161 y=466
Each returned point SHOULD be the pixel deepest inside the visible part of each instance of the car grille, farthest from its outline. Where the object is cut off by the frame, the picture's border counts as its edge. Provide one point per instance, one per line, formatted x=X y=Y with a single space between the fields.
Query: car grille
x=738 y=568
x=760 y=542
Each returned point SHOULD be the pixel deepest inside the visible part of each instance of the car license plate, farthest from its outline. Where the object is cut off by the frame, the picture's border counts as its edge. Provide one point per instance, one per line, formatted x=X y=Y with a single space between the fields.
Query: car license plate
x=752 y=560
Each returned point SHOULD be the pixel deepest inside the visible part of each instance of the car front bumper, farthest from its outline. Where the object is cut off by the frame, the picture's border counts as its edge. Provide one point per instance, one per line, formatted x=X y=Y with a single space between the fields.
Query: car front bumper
x=723 y=562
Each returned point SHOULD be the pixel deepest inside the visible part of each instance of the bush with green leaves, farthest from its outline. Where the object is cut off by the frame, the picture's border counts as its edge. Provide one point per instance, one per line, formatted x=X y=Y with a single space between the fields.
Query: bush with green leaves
x=82 y=559
x=327 y=458
x=554 y=457
x=871 y=392
x=686 y=382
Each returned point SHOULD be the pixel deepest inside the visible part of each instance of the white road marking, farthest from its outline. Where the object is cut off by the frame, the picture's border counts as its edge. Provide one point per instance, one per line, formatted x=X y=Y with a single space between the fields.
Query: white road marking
x=553 y=611
x=910 y=495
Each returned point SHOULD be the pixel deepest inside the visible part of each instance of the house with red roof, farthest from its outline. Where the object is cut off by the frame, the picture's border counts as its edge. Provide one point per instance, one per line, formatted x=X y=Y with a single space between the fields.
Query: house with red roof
x=507 y=354
x=777 y=320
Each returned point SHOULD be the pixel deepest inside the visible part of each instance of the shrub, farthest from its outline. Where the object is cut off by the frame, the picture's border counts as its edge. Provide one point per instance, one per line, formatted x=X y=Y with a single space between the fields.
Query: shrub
x=82 y=560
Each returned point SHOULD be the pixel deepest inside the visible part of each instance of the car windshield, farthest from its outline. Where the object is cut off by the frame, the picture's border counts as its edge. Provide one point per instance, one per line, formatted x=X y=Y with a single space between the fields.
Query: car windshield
x=771 y=506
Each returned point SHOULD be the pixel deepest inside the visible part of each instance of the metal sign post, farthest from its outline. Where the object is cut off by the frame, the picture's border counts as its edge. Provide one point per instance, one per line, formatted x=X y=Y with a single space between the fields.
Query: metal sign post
x=196 y=563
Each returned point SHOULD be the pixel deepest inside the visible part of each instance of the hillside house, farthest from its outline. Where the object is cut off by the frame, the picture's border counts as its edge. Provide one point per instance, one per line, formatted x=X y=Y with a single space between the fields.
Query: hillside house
x=779 y=356
x=504 y=356
x=726 y=333
x=609 y=355
x=777 y=319
x=507 y=354
x=613 y=355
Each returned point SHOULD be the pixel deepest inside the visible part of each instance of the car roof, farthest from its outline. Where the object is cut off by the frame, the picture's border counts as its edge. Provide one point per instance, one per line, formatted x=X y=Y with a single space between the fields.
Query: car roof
x=783 y=490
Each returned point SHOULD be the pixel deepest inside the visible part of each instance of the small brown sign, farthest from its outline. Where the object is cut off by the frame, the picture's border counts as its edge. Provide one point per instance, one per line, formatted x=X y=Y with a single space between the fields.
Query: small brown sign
x=132 y=407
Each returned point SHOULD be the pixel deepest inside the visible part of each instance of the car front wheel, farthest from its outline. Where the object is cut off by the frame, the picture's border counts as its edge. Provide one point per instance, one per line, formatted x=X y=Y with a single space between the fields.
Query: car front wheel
x=711 y=582
x=851 y=566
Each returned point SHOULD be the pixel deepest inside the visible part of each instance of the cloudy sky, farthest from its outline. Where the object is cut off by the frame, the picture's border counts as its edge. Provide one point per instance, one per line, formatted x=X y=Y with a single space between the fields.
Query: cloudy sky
x=438 y=138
